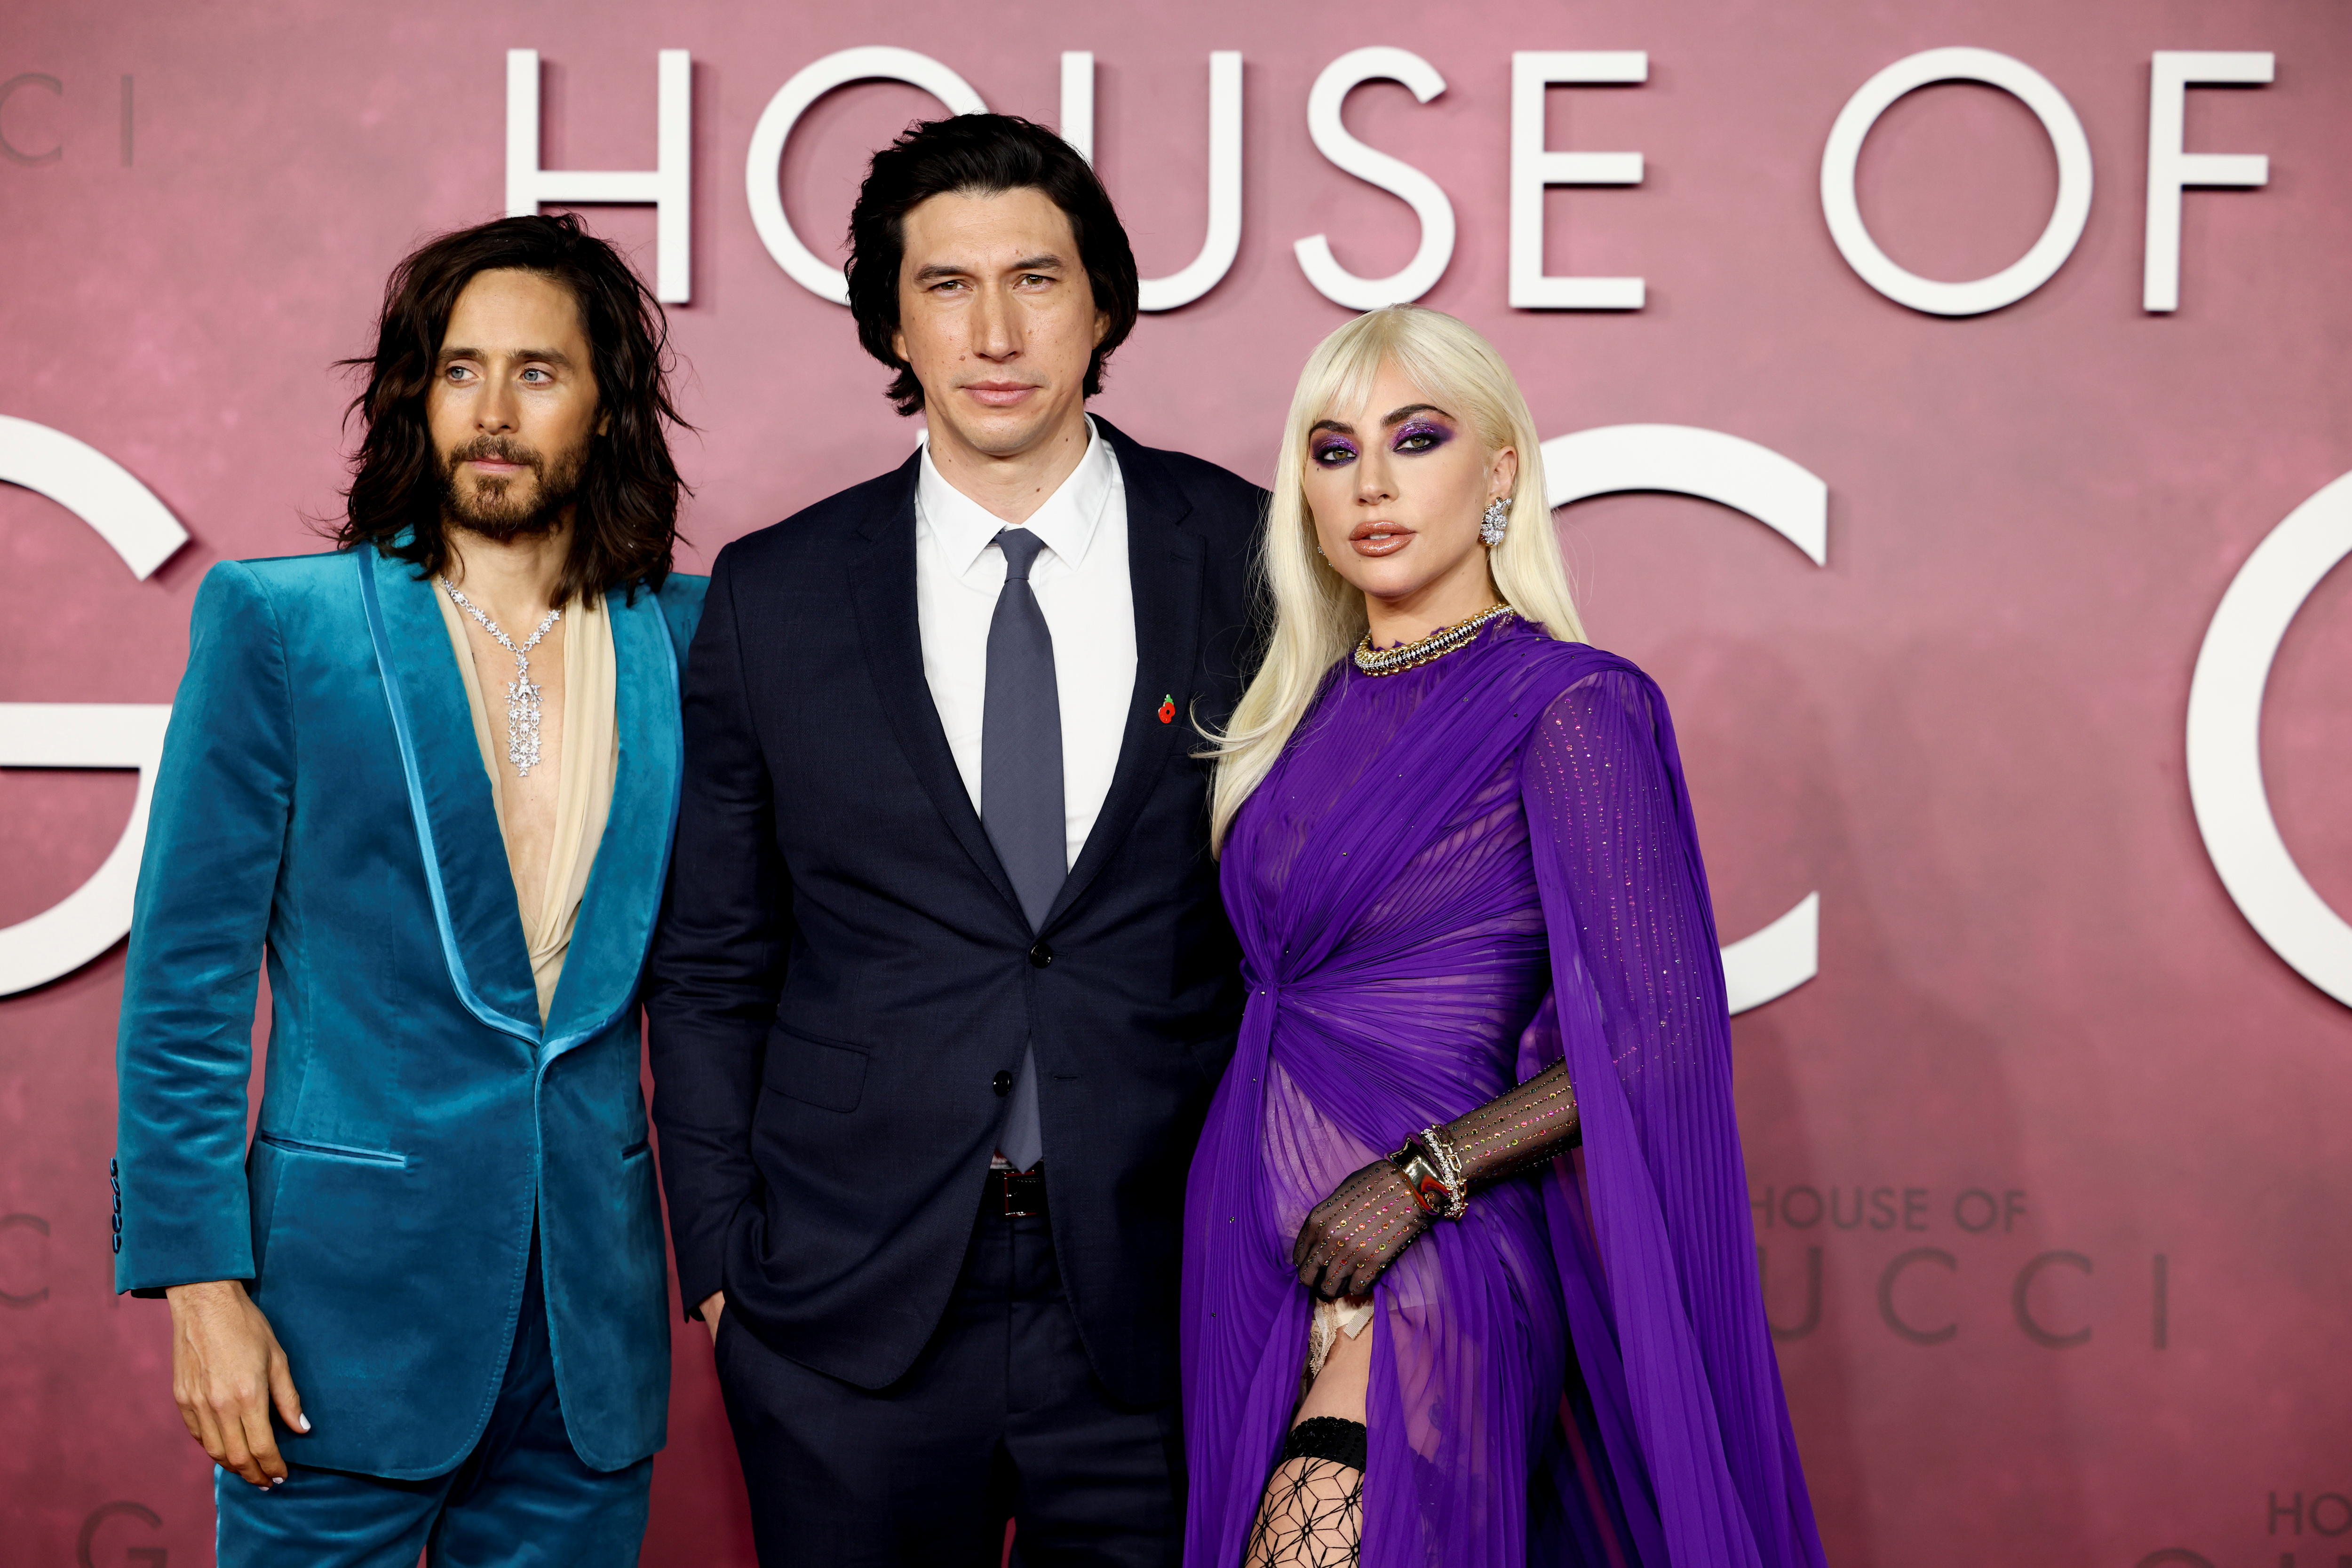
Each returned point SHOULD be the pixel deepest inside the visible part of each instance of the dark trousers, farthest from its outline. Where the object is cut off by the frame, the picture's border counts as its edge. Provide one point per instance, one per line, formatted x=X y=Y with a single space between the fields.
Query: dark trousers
x=521 y=1497
x=1000 y=1417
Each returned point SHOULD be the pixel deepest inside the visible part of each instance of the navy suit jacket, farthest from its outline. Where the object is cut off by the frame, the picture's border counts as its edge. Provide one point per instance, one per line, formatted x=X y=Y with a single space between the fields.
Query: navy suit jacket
x=843 y=971
x=322 y=796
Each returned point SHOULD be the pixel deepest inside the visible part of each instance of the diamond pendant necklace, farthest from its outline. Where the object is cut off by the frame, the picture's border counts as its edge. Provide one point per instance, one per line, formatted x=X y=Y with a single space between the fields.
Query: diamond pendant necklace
x=522 y=693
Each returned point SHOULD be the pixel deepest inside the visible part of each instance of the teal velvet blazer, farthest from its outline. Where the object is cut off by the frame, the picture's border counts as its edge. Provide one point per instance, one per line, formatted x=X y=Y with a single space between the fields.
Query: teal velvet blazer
x=321 y=798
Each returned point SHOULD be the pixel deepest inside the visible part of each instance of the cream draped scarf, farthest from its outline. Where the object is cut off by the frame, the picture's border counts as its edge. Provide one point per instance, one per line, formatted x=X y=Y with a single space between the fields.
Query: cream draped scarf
x=583 y=788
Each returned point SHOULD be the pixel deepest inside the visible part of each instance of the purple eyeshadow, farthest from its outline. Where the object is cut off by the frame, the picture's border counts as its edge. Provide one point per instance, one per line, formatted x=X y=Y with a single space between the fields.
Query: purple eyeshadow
x=1437 y=434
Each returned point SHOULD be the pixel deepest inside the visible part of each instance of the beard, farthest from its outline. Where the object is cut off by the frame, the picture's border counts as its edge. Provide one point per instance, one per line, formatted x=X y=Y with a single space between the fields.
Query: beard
x=514 y=508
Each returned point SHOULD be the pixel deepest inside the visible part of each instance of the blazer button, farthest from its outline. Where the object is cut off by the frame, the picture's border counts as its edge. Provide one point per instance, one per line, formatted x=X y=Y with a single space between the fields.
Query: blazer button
x=1040 y=956
x=1001 y=1083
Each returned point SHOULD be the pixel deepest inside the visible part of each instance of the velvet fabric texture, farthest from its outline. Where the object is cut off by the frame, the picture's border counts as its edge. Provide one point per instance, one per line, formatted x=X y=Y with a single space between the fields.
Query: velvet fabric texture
x=321 y=798
x=1455 y=877
x=521 y=1497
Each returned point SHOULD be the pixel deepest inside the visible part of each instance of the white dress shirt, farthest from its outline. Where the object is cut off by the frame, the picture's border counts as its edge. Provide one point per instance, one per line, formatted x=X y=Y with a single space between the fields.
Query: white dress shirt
x=1081 y=582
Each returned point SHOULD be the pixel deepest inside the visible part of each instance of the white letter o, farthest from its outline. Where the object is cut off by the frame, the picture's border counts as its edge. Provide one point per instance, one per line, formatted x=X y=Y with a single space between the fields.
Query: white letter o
x=2067 y=215
x=872 y=63
x=2225 y=723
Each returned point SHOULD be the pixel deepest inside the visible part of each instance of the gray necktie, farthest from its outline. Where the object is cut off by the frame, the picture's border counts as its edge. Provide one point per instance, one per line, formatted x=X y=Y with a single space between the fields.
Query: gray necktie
x=1021 y=783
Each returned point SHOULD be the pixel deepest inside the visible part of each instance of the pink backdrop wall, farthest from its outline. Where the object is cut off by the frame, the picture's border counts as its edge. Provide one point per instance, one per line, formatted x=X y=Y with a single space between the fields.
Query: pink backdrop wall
x=2039 y=1026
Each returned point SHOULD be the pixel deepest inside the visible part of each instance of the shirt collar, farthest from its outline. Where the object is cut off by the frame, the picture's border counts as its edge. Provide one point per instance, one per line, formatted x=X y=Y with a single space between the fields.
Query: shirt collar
x=1067 y=521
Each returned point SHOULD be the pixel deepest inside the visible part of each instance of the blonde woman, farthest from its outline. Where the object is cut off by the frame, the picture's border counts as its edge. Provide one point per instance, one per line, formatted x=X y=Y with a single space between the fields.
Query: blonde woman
x=1468 y=1277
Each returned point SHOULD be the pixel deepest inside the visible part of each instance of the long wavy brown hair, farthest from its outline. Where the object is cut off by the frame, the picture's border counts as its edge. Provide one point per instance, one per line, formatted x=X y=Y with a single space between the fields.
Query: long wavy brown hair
x=625 y=526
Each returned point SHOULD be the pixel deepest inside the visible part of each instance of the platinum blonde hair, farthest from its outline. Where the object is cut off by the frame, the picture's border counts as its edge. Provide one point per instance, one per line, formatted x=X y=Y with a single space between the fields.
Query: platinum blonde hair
x=1319 y=616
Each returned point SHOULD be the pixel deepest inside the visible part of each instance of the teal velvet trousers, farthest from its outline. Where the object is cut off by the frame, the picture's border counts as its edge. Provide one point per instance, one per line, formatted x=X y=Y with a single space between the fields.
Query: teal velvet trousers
x=522 y=1497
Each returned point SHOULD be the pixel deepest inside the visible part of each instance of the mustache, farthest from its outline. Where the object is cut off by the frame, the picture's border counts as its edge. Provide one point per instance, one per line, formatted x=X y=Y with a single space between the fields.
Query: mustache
x=497 y=449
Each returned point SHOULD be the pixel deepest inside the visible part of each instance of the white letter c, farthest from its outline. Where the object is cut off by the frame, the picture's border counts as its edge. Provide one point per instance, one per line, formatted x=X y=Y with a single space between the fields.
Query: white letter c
x=2225 y=723
x=1786 y=498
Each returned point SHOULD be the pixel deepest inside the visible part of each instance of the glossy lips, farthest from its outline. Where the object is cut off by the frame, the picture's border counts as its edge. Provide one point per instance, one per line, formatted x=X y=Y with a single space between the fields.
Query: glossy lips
x=1374 y=540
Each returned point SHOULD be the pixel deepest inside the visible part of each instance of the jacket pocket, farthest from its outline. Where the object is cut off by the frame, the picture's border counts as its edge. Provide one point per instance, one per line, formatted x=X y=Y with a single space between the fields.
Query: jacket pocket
x=826 y=1073
x=634 y=1150
x=333 y=1151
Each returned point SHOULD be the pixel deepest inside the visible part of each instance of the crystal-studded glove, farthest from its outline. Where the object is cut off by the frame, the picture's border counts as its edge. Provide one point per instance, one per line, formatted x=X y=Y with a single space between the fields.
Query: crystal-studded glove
x=1517 y=1130
x=1353 y=1235
x=1357 y=1232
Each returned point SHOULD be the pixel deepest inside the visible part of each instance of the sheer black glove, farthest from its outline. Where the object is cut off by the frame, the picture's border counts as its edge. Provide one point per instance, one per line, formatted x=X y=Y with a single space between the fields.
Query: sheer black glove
x=1517 y=1130
x=1357 y=1232
x=1353 y=1235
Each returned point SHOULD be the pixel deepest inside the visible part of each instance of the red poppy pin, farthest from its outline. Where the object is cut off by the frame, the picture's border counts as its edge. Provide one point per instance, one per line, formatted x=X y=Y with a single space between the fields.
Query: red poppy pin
x=1168 y=710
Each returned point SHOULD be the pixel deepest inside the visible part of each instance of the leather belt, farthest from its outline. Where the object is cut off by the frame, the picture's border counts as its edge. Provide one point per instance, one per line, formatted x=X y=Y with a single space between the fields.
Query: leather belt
x=1021 y=1193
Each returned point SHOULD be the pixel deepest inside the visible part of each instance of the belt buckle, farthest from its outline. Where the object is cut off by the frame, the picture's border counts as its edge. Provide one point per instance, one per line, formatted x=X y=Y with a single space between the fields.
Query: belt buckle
x=1006 y=1179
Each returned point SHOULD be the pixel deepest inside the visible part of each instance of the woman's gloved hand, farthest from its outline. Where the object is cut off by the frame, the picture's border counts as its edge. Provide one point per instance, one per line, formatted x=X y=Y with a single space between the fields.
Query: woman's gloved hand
x=1356 y=1233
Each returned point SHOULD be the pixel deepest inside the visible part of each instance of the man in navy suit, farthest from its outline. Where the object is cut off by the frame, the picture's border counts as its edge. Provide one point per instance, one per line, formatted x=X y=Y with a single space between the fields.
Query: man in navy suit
x=943 y=984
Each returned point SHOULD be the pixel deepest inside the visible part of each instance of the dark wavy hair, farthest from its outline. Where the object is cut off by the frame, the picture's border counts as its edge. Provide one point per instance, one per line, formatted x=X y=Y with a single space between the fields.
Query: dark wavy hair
x=625 y=526
x=980 y=154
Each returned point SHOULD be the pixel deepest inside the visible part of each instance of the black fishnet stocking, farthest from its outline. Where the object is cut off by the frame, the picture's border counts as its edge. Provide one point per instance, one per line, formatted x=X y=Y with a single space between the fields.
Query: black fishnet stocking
x=1312 y=1517
x=1313 y=1512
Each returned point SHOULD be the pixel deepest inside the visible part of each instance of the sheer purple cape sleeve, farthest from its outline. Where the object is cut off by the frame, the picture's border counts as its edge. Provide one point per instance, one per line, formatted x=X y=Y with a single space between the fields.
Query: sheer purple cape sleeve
x=1651 y=1227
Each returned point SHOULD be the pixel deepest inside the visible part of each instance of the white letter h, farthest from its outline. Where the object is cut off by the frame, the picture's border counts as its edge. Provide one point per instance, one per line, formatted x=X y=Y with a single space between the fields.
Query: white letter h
x=666 y=187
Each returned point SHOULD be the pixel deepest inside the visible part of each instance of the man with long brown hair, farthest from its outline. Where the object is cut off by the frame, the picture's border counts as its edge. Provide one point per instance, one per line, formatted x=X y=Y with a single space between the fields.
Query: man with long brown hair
x=431 y=774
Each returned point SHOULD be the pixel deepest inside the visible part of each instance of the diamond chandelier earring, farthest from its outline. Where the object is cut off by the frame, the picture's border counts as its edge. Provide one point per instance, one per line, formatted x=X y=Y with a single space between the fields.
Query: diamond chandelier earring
x=1498 y=518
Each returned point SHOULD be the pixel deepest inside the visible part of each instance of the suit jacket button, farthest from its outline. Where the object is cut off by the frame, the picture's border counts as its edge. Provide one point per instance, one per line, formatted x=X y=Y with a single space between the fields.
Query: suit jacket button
x=1001 y=1083
x=1040 y=956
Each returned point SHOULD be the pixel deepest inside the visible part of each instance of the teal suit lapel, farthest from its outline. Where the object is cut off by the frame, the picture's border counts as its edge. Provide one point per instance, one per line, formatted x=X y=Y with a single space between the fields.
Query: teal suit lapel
x=449 y=799
x=625 y=884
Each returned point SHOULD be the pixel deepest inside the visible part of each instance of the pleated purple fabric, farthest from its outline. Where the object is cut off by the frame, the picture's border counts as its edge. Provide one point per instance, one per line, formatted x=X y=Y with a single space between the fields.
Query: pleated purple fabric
x=1455 y=877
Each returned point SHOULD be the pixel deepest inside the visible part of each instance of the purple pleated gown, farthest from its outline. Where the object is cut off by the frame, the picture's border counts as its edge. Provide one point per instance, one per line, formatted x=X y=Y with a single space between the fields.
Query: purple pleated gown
x=1455 y=876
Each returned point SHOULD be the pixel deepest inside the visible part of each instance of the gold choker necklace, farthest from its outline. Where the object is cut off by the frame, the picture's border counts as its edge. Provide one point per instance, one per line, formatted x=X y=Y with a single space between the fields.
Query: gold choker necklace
x=1420 y=651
